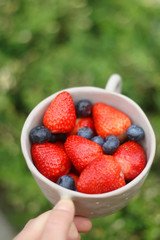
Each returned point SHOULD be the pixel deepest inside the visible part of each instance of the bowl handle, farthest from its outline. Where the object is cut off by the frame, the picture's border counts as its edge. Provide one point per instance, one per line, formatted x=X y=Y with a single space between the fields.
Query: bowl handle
x=65 y=196
x=114 y=83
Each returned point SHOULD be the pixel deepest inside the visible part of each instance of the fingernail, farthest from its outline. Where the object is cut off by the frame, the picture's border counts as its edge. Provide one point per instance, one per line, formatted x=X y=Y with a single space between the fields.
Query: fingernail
x=65 y=204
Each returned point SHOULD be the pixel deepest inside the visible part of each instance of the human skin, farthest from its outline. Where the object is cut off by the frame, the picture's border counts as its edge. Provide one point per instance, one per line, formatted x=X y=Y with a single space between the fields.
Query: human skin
x=60 y=223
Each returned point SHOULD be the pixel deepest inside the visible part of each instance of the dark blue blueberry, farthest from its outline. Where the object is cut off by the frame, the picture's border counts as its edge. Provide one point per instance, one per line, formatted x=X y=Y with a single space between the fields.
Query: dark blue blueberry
x=83 y=108
x=58 y=137
x=85 y=132
x=111 y=144
x=67 y=181
x=135 y=133
x=40 y=134
x=53 y=138
x=98 y=140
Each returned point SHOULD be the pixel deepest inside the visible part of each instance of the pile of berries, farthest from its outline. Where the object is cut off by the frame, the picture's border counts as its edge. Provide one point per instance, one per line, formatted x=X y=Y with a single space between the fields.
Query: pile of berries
x=85 y=147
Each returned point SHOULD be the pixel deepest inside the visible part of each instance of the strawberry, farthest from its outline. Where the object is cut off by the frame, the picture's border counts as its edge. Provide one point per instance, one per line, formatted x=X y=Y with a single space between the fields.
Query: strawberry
x=74 y=176
x=60 y=116
x=110 y=121
x=81 y=151
x=101 y=175
x=50 y=160
x=132 y=159
x=59 y=144
x=82 y=122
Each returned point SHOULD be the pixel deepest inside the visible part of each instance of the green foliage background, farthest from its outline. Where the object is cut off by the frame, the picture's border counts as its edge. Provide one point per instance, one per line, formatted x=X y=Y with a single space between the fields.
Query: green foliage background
x=46 y=46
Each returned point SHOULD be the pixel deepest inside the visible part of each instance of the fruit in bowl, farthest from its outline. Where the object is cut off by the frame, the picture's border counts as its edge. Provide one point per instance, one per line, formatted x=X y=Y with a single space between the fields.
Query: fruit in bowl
x=108 y=200
x=96 y=144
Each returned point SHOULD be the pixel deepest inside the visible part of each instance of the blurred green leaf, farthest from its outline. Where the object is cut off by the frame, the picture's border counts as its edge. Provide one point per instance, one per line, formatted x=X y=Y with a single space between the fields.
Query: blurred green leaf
x=46 y=46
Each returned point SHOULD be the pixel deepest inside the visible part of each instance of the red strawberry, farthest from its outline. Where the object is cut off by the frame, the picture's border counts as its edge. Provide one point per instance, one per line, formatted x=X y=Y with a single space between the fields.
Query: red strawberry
x=60 y=116
x=132 y=159
x=50 y=160
x=82 y=122
x=74 y=176
x=59 y=144
x=81 y=151
x=102 y=175
x=110 y=121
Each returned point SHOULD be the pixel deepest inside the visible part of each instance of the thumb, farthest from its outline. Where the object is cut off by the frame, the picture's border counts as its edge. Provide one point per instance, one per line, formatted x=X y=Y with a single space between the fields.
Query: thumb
x=59 y=221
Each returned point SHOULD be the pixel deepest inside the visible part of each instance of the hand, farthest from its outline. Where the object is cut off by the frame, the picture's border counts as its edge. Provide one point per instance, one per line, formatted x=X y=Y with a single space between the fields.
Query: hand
x=56 y=224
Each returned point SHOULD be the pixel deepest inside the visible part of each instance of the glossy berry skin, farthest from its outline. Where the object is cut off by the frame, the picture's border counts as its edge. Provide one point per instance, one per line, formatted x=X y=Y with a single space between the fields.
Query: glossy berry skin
x=83 y=108
x=100 y=176
x=132 y=159
x=40 y=134
x=135 y=133
x=50 y=160
x=67 y=181
x=98 y=140
x=110 y=121
x=60 y=116
x=82 y=122
x=111 y=144
x=81 y=151
x=85 y=132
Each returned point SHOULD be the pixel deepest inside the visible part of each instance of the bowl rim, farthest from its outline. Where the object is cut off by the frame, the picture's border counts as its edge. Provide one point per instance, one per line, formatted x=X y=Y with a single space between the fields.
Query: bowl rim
x=73 y=194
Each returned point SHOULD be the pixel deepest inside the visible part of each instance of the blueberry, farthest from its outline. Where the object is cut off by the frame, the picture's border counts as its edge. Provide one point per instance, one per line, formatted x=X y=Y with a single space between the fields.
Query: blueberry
x=66 y=181
x=111 y=144
x=53 y=138
x=58 y=137
x=85 y=132
x=135 y=133
x=83 y=108
x=40 y=134
x=98 y=140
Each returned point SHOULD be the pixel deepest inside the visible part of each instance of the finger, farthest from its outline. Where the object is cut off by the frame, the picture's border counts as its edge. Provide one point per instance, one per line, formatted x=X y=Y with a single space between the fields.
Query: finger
x=59 y=221
x=82 y=224
x=34 y=228
x=71 y=234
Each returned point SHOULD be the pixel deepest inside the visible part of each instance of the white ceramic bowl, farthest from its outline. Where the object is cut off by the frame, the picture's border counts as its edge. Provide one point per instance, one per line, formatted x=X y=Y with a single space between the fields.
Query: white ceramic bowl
x=93 y=205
